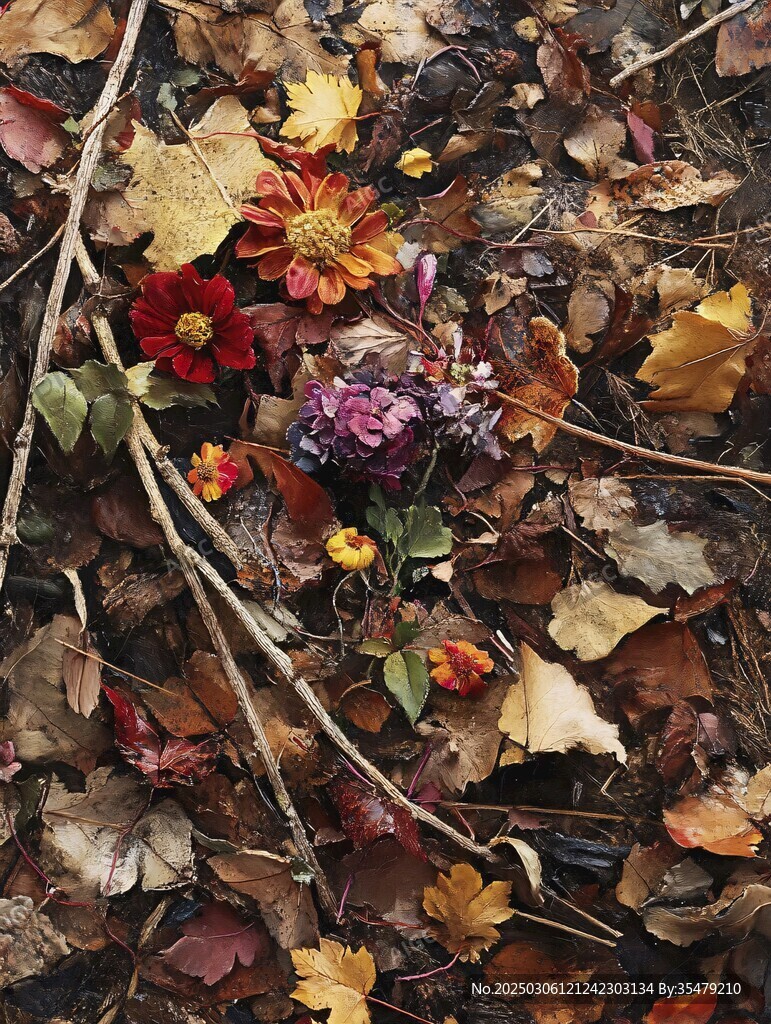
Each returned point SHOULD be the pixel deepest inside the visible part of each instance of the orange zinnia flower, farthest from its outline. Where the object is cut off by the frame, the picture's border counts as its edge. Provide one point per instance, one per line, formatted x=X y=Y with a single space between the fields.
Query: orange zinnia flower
x=213 y=472
x=460 y=667
x=316 y=234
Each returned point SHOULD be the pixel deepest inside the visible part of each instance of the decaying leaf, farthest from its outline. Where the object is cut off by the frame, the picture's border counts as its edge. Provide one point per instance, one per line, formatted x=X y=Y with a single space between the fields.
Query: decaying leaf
x=541 y=376
x=179 y=195
x=658 y=556
x=324 y=112
x=603 y=503
x=335 y=978
x=742 y=909
x=30 y=128
x=698 y=362
x=590 y=618
x=744 y=42
x=29 y=942
x=450 y=209
x=715 y=820
x=596 y=142
x=355 y=342
x=82 y=677
x=74 y=29
x=588 y=311
x=672 y=184
x=512 y=200
x=548 y=711
x=466 y=911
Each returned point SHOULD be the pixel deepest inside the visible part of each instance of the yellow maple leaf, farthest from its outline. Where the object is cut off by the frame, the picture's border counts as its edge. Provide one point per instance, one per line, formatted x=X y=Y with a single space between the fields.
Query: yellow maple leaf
x=415 y=163
x=698 y=362
x=466 y=912
x=325 y=109
x=335 y=978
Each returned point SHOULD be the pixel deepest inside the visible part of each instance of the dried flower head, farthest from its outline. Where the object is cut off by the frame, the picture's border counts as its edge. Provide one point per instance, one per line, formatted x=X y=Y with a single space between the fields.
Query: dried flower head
x=213 y=472
x=351 y=550
x=316 y=235
x=460 y=666
x=190 y=325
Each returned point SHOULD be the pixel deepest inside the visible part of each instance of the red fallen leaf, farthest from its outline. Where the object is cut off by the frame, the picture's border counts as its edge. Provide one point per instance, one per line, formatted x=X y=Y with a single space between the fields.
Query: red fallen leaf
x=643 y=138
x=306 y=502
x=176 y=761
x=30 y=128
x=691 y=1009
x=365 y=817
x=212 y=942
x=278 y=328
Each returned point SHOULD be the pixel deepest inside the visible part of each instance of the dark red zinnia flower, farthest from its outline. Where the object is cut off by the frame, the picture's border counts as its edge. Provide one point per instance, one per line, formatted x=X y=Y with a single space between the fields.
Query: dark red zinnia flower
x=191 y=326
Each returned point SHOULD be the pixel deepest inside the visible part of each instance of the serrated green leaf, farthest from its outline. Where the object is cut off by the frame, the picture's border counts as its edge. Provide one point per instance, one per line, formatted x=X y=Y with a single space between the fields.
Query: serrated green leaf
x=111 y=416
x=163 y=392
x=424 y=534
x=407 y=679
x=95 y=379
x=376 y=647
x=62 y=406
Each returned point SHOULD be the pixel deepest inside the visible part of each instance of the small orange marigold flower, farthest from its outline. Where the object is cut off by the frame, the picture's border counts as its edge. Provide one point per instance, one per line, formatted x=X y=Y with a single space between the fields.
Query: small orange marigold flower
x=351 y=550
x=460 y=667
x=213 y=472
x=316 y=235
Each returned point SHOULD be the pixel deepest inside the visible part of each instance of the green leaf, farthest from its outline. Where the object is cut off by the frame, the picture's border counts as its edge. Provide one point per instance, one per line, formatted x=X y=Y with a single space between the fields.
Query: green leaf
x=95 y=379
x=375 y=647
x=424 y=535
x=111 y=416
x=404 y=633
x=407 y=679
x=163 y=392
x=62 y=406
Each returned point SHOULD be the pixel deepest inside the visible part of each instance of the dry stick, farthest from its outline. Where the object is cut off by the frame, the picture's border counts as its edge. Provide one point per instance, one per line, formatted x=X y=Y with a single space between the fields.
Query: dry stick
x=33 y=259
x=281 y=660
x=564 y=928
x=88 y=160
x=734 y=472
x=654 y=58
x=187 y=561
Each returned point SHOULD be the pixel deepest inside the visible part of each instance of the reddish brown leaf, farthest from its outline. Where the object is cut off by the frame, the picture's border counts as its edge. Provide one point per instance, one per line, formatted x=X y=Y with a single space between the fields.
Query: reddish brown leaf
x=365 y=817
x=279 y=328
x=212 y=943
x=30 y=128
x=691 y=1009
x=744 y=42
x=306 y=502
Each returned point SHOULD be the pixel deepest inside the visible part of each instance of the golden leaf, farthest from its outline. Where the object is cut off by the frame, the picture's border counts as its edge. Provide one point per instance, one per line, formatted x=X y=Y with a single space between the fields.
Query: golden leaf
x=335 y=978
x=590 y=618
x=467 y=912
x=541 y=376
x=415 y=162
x=698 y=362
x=179 y=192
x=548 y=711
x=325 y=109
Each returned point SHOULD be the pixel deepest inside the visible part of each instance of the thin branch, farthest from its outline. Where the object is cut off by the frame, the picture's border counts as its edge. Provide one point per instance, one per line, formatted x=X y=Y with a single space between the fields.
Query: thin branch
x=89 y=158
x=187 y=559
x=654 y=58
x=564 y=928
x=33 y=259
x=735 y=472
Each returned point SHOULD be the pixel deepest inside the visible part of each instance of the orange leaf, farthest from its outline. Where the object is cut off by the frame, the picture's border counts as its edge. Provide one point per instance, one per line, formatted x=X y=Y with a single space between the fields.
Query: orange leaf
x=306 y=501
x=691 y=1009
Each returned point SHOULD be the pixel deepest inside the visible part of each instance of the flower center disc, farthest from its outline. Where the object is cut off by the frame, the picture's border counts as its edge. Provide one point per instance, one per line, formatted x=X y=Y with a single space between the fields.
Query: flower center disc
x=194 y=329
x=318 y=236
x=207 y=471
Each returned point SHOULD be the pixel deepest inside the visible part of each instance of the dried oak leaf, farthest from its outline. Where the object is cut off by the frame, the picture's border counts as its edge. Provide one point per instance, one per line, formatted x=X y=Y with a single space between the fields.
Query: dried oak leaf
x=335 y=978
x=178 y=197
x=212 y=942
x=466 y=911
x=286 y=39
x=324 y=110
x=366 y=817
x=74 y=29
x=672 y=184
x=546 y=710
x=450 y=209
x=286 y=906
x=82 y=848
x=31 y=128
x=596 y=142
x=658 y=556
x=697 y=364
x=744 y=42
x=590 y=618
x=539 y=375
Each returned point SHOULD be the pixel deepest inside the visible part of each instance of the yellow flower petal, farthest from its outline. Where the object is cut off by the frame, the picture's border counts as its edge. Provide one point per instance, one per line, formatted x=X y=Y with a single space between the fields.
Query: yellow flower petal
x=415 y=163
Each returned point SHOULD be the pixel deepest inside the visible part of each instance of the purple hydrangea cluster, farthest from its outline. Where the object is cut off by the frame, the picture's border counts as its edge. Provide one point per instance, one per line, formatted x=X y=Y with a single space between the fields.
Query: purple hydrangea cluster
x=364 y=424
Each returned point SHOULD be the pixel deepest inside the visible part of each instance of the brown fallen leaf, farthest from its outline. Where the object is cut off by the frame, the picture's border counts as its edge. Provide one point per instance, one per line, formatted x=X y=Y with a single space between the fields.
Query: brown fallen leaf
x=588 y=311
x=353 y=343
x=698 y=362
x=565 y=75
x=658 y=556
x=744 y=42
x=335 y=978
x=401 y=27
x=449 y=209
x=200 y=703
x=590 y=618
x=603 y=503
x=74 y=29
x=596 y=142
x=512 y=200
x=672 y=184
x=742 y=909
x=82 y=677
x=546 y=710
x=713 y=821
x=540 y=374
x=286 y=906
x=466 y=911
x=644 y=871
x=29 y=942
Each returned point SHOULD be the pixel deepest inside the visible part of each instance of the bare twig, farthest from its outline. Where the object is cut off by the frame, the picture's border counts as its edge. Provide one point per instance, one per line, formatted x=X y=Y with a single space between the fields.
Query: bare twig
x=654 y=58
x=187 y=559
x=33 y=259
x=735 y=472
x=88 y=160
